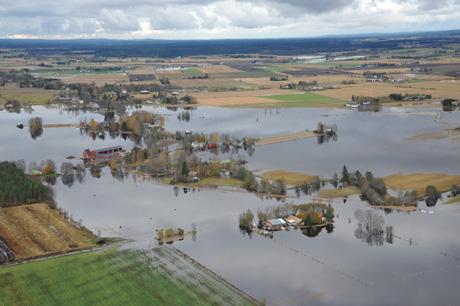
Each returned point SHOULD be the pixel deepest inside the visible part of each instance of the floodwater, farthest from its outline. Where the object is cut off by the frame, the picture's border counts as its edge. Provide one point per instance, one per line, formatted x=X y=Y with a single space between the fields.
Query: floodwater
x=419 y=265
x=376 y=141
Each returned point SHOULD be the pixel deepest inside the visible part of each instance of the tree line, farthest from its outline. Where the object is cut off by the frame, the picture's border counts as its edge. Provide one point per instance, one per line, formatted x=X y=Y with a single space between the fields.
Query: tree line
x=17 y=188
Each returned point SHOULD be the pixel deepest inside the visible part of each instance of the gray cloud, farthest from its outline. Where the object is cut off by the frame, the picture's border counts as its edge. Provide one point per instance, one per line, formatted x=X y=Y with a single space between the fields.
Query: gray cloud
x=314 y=6
x=428 y=5
x=219 y=18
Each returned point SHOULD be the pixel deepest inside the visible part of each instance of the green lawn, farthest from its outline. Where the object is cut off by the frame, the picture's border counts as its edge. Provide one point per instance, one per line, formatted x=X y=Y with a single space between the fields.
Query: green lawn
x=300 y=100
x=111 y=277
x=455 y=200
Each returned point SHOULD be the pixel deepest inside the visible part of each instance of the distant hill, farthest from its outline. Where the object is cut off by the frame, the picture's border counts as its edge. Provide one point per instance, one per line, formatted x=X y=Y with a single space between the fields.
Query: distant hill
x=175 y=48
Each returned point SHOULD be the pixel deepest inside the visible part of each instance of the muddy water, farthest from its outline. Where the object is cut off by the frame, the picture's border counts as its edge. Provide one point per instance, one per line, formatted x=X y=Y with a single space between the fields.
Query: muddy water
x=420 y=266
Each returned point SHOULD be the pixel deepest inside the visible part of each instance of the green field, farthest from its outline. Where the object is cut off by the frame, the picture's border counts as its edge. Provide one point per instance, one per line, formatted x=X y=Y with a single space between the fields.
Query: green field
x=162 y=276
x=192 y=71
x=300 y=100
x=26 y=95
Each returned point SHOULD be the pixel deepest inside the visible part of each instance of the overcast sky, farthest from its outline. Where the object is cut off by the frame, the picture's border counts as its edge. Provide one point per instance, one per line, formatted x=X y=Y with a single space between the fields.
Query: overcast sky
x=207 y=19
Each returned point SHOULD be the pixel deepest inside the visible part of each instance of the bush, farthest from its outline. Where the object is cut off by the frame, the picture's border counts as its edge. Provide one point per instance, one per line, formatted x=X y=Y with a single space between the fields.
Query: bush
x=248 y=178
x=329 y=215
x=49 y=168
x=246 y=219
x=312 y=218
x=448 y=102
x=455 y=191
x=396 y=97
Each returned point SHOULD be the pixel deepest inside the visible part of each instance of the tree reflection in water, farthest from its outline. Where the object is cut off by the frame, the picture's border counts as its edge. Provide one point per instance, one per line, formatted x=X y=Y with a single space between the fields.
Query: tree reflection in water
x=370 y=227
x=314 y=231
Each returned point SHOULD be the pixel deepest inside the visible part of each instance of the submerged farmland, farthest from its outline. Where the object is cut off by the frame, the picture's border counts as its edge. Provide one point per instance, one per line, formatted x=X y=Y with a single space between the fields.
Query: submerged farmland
x=248 y=179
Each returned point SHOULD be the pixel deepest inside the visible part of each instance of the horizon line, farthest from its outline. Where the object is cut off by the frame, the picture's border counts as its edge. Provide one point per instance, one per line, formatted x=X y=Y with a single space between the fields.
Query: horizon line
x=242 y=38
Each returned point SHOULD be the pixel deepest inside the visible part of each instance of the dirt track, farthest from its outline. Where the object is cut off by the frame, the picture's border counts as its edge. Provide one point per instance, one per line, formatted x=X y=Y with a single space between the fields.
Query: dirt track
x=284 y=138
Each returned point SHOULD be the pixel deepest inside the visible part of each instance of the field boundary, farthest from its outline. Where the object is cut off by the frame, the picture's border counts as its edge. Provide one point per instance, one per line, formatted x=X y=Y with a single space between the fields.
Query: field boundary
x=214 y=274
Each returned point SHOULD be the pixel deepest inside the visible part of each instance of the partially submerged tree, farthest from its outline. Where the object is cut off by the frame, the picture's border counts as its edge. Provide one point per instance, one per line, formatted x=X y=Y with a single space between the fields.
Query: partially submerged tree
x=432 y=195
x=246 y=220
x=455 y=191
x=35 y=127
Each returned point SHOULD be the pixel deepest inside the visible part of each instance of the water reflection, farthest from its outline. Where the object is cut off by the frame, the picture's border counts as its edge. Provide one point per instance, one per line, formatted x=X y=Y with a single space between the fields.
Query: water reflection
x=121 y=204
x=311 y=231
x=370 y=227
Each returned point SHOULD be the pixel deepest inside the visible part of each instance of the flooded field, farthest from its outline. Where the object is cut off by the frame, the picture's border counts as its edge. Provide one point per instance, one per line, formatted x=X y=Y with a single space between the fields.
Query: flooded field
x=416 y=262
x=324 y=269
x=376 y=141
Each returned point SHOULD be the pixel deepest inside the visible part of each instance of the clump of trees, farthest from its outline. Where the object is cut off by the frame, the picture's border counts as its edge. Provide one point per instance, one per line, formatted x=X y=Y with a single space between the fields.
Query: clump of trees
x=408 y=97
x=277 y=187
x=246 y=220
x=325 y=129
x=362 y=99
x=199 y=77
x=173 y=100
x=135 y=122
x=432 y=195
x=35 y=127
x=250 y=182
x=13 y=106
x=169 y=233
x=164 y=80
x=374 y=191
x=309 y=187
x=312 y=218
x=455 y=191
x=26 y=80
x=279 y=77
x=18 y=188
x=448 y=102
x=348 y=82
x=316 y=214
